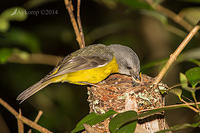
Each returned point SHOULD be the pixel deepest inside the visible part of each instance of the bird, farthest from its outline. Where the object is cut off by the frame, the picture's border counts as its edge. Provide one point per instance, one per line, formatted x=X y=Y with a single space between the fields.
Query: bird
x=90 y=65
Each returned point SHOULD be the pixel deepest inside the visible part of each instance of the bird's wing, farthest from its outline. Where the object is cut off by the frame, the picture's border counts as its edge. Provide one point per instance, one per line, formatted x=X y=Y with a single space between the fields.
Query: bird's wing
x=89 y=57
x=78 y=63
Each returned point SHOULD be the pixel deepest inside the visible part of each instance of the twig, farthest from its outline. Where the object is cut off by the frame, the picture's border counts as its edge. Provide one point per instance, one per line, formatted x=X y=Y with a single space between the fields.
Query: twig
x=189 y=106
x=195 y=100
x=187 y=98
x=38 y=116
x=79 y=23
x=169 y=106
x=69 y=7
x=174 y=86
x=20 y=123
x=36 y=119
x=176 y=18
x=176 y=53
x=36 y=59
x=23 y=119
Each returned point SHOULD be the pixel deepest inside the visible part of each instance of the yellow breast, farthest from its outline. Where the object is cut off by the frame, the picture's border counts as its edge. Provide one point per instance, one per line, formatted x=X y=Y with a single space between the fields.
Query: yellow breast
x=93 y=75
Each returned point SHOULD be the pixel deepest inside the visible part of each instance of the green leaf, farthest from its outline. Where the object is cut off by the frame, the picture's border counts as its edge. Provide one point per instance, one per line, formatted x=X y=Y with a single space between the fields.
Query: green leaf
x=5 y=53
x=153 y=111
x=4 y=25
x=195 y=62
x=193 y=76
x=179 y=127
x=92 y=119
x=191 y=14
x=14 y=13
x=183 y=80
x=22 y=54
x=120 y=119
x=177 y=92
x=135 y=4
x=128 y=128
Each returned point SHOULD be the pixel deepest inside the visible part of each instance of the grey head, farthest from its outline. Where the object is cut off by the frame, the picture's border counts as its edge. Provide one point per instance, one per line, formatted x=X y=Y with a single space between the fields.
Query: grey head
x=127 y=59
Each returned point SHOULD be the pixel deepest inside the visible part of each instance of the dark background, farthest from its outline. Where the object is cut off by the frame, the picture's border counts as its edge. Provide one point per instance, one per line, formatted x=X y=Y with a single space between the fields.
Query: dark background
x=104 y=22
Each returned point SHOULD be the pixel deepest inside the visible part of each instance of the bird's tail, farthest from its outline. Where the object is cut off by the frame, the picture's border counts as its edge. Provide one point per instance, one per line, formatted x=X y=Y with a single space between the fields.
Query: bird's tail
x=33 y=89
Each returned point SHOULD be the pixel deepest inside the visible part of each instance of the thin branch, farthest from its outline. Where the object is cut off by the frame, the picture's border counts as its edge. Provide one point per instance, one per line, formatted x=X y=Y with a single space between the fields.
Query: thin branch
x=36 y=59
x=20 y=123
x=176 y=53
x=69 y=7
x=38 y=116
x=23 y=119
x=187 y=98
x=189 y=106
x=195 y=100
x=79 y=23
x=176 y=18
x=36 y=119
x=170 y=106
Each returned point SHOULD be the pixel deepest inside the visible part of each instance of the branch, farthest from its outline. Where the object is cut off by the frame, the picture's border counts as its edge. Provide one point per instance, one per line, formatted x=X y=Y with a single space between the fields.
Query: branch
x=23 y=119
x=69 y=6
x=176 y=18
x=36 y=119
x=36 y=59
x=170 y=106
x=176 y=53
x=20 y=123
x=79 y=23
x=189 y=106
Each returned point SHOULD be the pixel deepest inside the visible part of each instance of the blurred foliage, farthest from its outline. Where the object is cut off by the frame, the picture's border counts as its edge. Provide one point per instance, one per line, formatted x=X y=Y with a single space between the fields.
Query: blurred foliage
x=135 y=4
x=191 y=14
x=43 y=26
x=11 y=14
x=21 y=38
x=5 y=54
x=195 y=1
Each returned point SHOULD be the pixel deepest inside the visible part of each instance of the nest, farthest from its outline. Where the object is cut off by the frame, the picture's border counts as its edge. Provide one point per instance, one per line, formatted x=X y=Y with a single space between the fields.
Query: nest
x=119 y=93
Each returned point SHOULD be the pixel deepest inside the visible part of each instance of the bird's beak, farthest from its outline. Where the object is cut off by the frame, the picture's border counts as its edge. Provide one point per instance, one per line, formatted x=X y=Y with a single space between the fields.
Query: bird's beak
x=136 y=77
